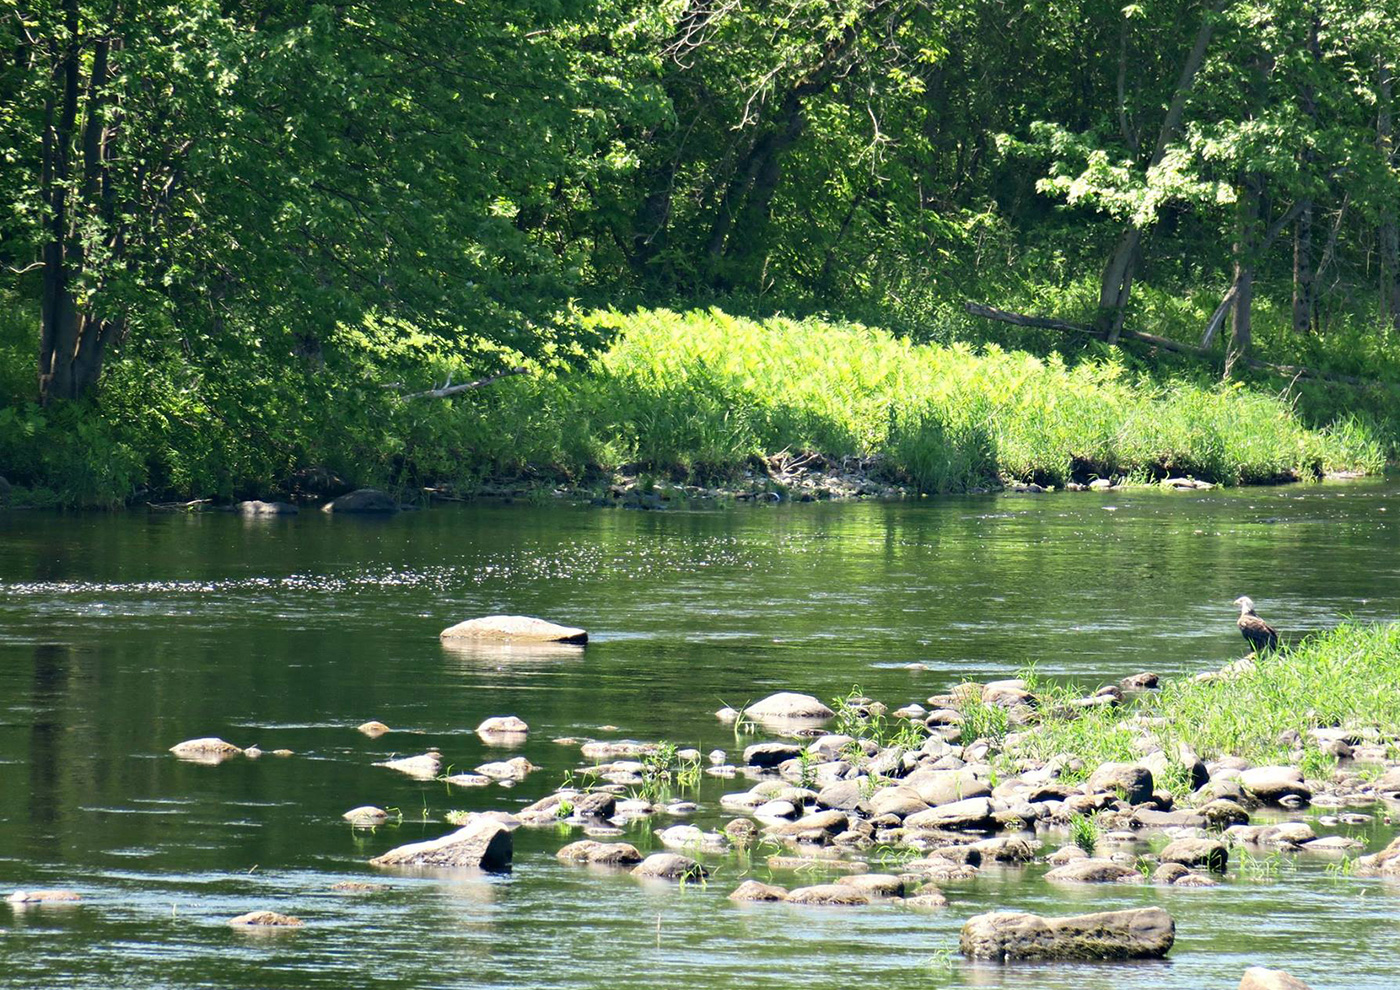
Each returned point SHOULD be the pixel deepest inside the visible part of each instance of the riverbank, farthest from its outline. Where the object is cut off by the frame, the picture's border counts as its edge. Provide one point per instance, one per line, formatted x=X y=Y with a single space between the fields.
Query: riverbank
x=702 y=399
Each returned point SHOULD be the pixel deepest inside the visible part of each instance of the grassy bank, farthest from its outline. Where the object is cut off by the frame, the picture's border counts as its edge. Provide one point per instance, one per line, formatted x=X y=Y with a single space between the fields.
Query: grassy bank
x=1328 y=681
x=695 y=395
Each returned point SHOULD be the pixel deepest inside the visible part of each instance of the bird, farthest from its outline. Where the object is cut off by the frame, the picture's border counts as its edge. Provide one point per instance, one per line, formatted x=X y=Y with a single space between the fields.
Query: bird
x=1258 y=633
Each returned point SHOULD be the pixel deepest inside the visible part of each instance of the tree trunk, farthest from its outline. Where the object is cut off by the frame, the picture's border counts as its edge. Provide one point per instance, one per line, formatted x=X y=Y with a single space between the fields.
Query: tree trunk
x=1304 y=274
x=1389 y=234
x=1115 y=287
x=1245 y=255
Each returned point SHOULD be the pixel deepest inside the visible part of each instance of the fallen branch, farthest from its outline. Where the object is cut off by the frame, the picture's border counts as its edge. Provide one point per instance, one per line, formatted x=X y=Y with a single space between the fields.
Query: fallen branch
x=448 y=388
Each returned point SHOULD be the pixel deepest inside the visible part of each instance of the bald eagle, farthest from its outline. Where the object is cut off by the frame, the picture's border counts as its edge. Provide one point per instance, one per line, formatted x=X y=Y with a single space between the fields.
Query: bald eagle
x=1258 y=633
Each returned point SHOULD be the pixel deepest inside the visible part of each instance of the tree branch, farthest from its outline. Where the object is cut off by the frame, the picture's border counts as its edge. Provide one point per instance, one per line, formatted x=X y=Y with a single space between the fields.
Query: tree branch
x=449 y=389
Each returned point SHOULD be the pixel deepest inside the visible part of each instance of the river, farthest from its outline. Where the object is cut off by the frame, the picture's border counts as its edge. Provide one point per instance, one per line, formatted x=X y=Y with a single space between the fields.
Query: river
x=123 y=634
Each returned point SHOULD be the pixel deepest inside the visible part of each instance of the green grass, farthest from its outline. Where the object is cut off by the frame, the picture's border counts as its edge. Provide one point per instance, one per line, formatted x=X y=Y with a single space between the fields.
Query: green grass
x=1329 y=680
x=694 y=396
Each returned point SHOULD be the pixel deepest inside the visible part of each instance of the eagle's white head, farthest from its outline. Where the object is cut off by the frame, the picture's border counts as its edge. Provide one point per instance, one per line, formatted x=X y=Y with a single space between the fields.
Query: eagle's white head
x=1246 y=605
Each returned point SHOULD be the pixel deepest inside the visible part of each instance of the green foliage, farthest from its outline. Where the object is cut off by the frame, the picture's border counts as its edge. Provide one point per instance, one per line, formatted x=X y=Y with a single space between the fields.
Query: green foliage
x=1084 y=832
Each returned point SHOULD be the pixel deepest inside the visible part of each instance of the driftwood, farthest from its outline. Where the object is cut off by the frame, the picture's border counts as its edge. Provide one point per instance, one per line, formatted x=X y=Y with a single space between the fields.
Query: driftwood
x=448 y=388
x=1049 y=323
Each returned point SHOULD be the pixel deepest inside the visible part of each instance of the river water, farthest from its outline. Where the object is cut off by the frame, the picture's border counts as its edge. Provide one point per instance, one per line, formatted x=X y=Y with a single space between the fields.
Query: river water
x=121 y=635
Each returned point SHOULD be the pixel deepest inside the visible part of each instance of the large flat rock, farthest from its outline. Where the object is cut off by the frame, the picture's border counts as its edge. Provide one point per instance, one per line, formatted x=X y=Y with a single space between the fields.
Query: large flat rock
x=483 y=843
x=513 y=629
x=1142 y=933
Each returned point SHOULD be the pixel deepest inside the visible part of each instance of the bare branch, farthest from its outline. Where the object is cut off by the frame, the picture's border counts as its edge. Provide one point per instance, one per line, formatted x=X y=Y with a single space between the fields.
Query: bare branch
x=447 y=390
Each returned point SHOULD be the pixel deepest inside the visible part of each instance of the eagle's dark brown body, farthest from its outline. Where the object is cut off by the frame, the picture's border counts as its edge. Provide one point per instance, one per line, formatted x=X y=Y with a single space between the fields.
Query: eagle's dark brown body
x=1258 y=633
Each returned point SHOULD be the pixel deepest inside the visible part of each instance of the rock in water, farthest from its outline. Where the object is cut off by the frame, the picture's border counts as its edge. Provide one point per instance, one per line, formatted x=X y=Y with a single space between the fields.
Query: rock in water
x=1143 y=933
x=373 y=728
x=366 y=815
x=424 y=766
x=788 y=705
x=753 y=890
x=254 y=507
x=44 y=897
x=483 y=843
x=1197 y=852
x=1093 y=871
x=829 y=894
x=503 y=725
x=1132 y=780
x=364 y=500
x=1385 y=863
x=206 y=750
x=513 y=629
x=1273 y=784
x=670 y=866
x=1258 y=978
x=266 y=919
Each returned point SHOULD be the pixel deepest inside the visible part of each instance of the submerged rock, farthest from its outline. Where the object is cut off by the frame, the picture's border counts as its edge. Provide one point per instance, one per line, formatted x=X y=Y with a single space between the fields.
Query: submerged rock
x=266 y=919
x=357 y=887
x=482 y=843
x=1258 y=978
x=363 y=500
x=1144 y=933
x=514 y=629
x=600 y=853
x=752 y=890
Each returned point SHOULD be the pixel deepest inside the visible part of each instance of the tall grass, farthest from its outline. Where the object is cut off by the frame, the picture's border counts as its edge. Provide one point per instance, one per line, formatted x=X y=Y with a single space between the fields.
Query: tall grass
x=696 y=395
x=1339 y=678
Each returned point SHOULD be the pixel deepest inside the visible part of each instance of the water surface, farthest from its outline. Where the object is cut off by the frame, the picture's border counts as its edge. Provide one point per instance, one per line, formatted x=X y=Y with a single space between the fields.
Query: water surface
x=123 y=634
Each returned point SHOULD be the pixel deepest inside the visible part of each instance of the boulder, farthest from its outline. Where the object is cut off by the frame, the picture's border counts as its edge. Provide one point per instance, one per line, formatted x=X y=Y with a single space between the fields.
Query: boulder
x=928 y=899
x=1143 y=933
x=594 y=804
x=44 y=897
x=939 y=787
x=843 y=795
x=366 y=814
x=1066 y=854
x=769 y=755
x=1169 y=873
x=1004 y=849
x=670 y=866
x=833 y=894
x=372 y=728
x=254 y=507
x=1132 y=780
x=1273 y=784
x=513 y=629
x=482 y=843
x=209 y=749
x=1209 y=853
x=611 y=749
x=266 y=919
x=1093 y=871
x=752 y=890
x=1385 y=863
x=362 y=500
x=1151 y=818
x=503 y=725
x=513 y=769
x=600 y=853
x=788 y=705
x=970 y=815
x=425 y=766
x=899 y=801
x=874 y=884
x=1258 y=978
x=818 y=827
